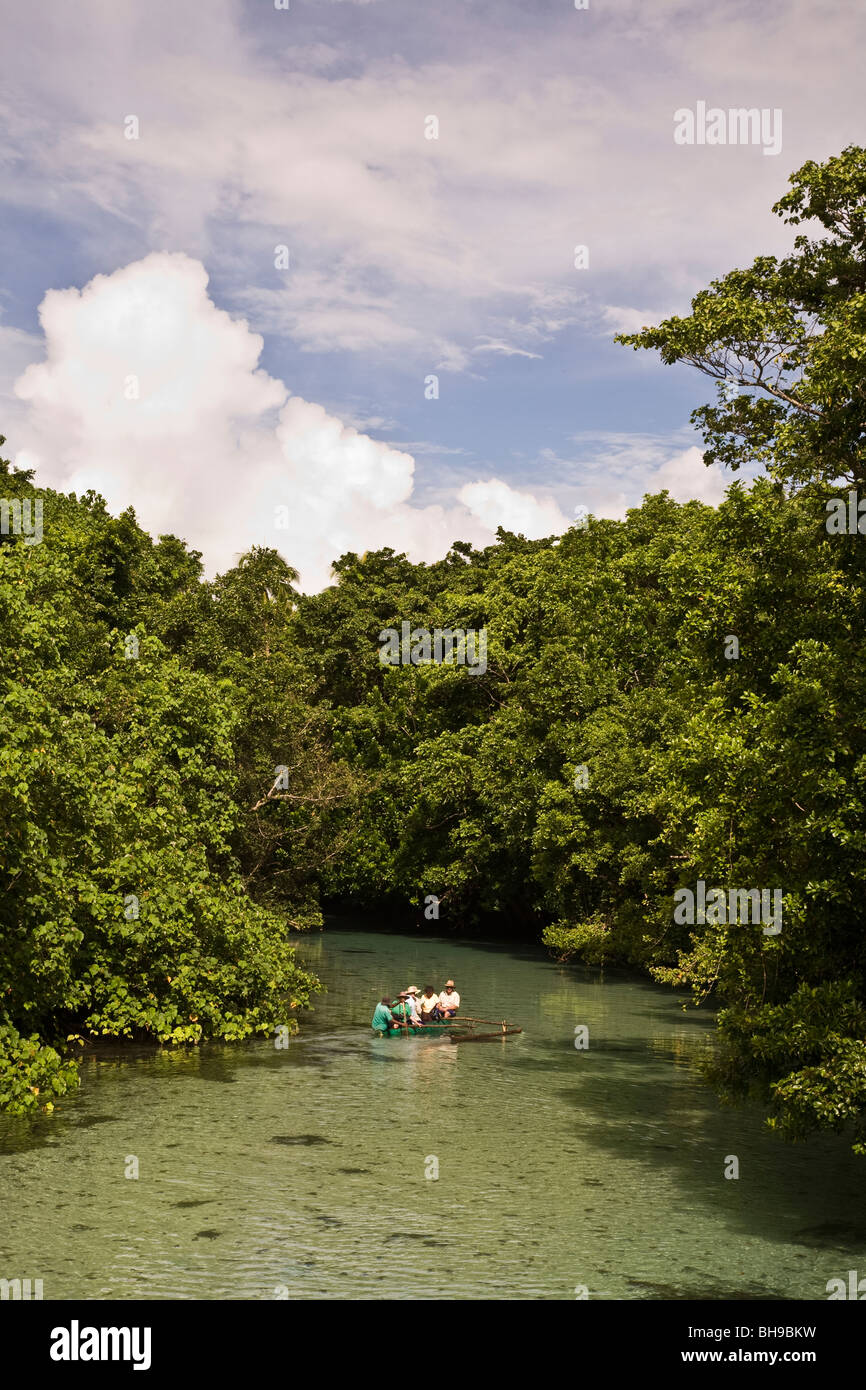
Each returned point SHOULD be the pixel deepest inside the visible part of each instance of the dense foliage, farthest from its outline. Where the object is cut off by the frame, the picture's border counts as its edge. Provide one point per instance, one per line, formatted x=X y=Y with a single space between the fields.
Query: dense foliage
x=124 y=911
x=666 y=700
x=611 y=664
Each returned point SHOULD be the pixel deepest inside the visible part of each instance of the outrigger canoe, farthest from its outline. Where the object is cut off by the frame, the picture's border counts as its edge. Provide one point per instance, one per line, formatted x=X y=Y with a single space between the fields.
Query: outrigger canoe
x=456 y=1029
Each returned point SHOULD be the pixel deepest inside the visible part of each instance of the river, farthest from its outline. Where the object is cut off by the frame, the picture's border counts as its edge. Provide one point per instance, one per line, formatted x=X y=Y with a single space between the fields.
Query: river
x=302 y=1172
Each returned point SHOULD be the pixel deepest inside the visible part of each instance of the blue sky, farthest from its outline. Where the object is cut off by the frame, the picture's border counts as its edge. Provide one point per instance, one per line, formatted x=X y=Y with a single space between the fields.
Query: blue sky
x=151 y=261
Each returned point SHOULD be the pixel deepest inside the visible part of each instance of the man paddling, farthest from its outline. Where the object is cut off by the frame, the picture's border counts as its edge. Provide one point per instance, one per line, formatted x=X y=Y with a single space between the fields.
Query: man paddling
x=383 y=1019
x=449 y=1000
x=402 y=1013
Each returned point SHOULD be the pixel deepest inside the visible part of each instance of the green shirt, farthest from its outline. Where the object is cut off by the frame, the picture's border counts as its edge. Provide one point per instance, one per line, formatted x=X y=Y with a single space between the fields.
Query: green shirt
x=382 y=1016
x=401 y=1011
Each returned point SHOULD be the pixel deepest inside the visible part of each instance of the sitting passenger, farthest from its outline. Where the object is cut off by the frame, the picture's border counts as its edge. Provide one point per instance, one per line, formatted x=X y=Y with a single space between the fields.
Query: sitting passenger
x=412 y=1001
x=429 y=1005
x=449 y=1000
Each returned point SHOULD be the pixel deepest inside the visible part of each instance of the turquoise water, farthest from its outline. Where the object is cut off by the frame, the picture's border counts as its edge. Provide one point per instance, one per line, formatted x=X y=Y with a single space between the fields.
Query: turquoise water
x=301 y=1172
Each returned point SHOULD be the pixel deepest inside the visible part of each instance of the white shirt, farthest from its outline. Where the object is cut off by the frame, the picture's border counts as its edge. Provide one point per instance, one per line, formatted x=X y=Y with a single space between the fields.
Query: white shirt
x=449 y=999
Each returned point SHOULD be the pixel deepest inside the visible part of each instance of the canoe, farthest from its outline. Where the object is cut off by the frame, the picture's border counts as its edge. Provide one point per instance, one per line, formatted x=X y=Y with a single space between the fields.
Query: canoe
x=418 y=1029
x=456 y=1029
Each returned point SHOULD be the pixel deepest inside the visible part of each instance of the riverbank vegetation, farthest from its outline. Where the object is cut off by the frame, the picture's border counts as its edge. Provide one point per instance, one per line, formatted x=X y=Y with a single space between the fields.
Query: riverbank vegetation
x=673 y=698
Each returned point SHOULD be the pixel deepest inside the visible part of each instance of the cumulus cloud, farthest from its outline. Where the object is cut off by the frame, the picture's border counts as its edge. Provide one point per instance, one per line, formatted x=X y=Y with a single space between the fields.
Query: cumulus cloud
x=150 y=337
x=612 y=471
x=152 y=395
x=495 y=503
x=687 y=477
x=17 y=350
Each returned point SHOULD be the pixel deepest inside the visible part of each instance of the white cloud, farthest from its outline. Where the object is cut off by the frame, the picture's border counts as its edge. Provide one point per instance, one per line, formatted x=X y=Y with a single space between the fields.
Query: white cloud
x=153 y=322
x=211 y=448
x=614 y=470
x=506 y=349
x=496 y=503
x=627 y=320
x=686 y=477
x=428 y=446
x=17 y=350
x=180 y=452
x=550 y=135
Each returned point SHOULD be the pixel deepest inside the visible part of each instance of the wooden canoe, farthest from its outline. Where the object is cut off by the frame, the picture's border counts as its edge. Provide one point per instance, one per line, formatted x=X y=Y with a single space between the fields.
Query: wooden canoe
x=418 y=1030
x=457 y=1030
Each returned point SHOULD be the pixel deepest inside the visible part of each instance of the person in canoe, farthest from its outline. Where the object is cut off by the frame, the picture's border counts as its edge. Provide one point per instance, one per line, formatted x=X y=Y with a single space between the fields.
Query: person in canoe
x=429 y=1005
x=383 y=1019
x=449 y=1000
x=414 y=1004
x=401 y=1011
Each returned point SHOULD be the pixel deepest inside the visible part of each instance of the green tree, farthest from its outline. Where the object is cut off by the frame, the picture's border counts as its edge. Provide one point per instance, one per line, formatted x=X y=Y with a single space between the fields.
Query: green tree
x=123 y=912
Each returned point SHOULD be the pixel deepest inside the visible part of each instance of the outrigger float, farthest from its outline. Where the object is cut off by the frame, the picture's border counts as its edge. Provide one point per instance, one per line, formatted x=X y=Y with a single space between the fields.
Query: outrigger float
x=456 y=1029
